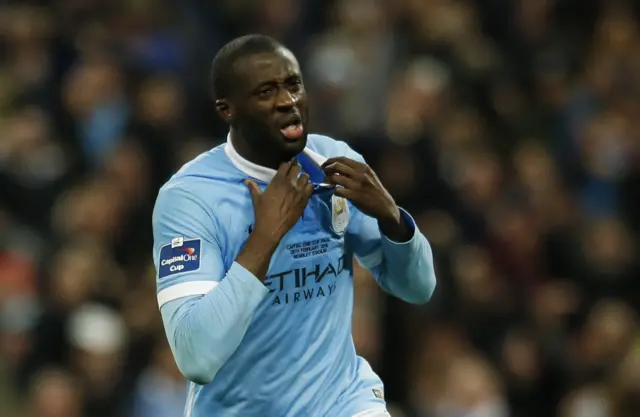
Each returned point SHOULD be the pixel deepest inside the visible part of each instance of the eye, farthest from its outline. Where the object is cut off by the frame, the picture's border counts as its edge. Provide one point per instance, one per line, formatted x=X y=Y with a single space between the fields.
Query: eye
x=294 y=85
x=265 y=92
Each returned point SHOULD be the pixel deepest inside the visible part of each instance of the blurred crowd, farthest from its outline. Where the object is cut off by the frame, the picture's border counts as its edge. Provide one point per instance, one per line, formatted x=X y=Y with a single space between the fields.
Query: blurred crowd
x=510 y=129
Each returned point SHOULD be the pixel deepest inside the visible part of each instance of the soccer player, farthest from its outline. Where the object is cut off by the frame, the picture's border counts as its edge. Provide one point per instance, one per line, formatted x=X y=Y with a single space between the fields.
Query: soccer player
x=254 y=246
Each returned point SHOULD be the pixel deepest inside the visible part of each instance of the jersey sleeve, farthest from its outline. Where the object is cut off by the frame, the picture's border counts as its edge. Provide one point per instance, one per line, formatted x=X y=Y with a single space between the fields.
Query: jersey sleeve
x=206 y=309
x=403 y=269
x=186 y=252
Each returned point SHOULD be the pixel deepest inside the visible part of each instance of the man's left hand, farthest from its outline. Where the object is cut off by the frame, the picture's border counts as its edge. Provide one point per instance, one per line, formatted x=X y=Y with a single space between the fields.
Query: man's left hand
x=360 y=185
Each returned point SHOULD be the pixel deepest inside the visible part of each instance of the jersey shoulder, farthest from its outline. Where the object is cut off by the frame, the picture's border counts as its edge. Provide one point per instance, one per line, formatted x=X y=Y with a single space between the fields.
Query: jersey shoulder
x=212 y=170
x=213 y=165
x=205 y=183
x=329 y=147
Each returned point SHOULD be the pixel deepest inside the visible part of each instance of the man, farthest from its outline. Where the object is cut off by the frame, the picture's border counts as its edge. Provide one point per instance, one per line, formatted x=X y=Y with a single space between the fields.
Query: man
x=254 y=242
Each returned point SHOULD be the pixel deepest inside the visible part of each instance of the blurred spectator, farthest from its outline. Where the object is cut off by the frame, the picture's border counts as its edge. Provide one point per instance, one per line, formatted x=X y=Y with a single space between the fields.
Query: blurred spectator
x=99 y=342
x=160 y=391
x=55 y=393
x=95 y=97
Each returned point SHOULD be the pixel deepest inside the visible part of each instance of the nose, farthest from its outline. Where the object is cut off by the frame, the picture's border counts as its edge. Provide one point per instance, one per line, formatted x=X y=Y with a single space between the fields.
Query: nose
x=286 y=100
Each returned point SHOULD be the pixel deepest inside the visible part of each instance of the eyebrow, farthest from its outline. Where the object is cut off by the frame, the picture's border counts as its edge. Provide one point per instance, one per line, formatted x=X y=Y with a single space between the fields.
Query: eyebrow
x=292 y=77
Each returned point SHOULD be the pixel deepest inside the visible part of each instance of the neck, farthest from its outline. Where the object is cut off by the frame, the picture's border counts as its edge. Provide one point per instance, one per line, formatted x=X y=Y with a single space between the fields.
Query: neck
x=251 y=154
x=257 y=168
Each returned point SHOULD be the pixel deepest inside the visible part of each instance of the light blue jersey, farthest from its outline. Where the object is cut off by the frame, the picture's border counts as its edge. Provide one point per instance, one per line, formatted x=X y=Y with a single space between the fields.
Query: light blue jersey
x=282 y=348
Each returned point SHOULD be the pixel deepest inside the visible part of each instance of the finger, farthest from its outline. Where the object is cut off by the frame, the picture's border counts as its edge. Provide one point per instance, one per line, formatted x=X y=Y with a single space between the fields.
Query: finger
x=294 y=171
x=343 y=160
x=303 y=180
x=254 y=190
x=283 y=170
x=344 y=192
x=342 y=180
x=340 y=168
x=308 y=189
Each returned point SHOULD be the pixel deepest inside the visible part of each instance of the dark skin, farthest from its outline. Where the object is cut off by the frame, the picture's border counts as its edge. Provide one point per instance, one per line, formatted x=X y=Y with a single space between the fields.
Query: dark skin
x=359 y=184
x=268 y=94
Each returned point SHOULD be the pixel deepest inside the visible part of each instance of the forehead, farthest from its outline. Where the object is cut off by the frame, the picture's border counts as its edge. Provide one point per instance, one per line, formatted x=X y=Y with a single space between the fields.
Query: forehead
x=259 y=68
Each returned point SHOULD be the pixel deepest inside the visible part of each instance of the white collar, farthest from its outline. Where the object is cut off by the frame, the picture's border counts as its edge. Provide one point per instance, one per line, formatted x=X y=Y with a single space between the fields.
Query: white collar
x=257 y=171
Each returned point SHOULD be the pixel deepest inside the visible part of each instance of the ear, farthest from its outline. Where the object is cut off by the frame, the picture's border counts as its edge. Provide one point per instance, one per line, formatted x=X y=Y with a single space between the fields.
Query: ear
x=225 y=110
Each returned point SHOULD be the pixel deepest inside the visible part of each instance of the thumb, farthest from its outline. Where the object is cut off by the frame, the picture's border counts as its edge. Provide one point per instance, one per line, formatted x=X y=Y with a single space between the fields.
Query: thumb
x=254 y=190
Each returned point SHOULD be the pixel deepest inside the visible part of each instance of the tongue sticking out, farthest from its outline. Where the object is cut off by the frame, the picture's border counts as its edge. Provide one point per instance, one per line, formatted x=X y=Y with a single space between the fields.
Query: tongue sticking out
x=293 y=131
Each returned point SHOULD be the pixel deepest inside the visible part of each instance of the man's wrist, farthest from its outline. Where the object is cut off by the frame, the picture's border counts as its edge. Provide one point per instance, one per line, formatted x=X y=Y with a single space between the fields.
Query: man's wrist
x=257 y=252
x=394 y=226
x=264 y=240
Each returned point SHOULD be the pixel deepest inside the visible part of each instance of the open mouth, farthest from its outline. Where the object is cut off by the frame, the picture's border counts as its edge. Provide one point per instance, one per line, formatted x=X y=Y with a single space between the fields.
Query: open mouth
x=293 y=129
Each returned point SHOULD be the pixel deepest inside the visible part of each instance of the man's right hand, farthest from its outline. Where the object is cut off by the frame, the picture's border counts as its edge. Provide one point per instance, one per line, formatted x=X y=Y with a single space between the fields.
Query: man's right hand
x=279 y=207
x=276 y=210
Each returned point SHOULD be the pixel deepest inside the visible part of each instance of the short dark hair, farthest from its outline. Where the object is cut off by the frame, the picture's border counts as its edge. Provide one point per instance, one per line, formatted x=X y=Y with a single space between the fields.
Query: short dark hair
x=222 y=65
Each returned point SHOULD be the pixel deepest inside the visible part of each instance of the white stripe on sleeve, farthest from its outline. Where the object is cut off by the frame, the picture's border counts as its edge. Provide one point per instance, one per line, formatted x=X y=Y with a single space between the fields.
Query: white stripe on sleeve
x=185 y=289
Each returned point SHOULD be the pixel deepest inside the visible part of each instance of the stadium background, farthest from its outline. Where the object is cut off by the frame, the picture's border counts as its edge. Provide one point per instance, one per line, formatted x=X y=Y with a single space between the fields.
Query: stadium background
x=509 y=128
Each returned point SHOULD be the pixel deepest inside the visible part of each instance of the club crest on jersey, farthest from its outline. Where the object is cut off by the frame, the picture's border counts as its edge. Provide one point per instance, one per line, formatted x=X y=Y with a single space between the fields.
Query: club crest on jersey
x=339 y=214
